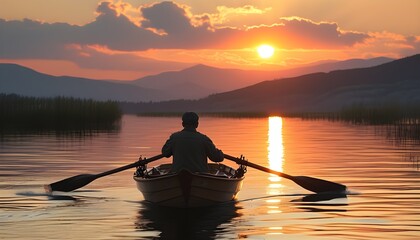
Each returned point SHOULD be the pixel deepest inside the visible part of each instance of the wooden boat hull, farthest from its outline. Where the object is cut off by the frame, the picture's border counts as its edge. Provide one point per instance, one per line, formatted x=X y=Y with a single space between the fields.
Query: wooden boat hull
x=186 y=189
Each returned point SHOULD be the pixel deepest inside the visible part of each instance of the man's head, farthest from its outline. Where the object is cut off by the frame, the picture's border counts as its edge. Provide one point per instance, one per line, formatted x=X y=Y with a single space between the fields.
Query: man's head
x=190 y=119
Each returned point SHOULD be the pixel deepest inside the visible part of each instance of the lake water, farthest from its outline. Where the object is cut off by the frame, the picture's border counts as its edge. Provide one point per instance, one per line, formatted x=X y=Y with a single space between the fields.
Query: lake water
x=382 y=176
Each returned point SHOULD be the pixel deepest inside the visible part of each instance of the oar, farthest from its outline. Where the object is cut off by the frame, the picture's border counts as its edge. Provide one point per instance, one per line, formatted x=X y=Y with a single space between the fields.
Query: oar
x=75 y=182
x=309 y=183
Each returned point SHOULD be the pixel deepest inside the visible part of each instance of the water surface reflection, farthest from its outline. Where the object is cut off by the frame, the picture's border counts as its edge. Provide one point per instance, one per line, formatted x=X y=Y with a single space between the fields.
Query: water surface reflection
x=178 y=223
x=386 y=180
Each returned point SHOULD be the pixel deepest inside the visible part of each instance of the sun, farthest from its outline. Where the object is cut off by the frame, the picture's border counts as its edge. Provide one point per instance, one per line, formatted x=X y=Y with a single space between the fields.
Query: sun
x=265 y=51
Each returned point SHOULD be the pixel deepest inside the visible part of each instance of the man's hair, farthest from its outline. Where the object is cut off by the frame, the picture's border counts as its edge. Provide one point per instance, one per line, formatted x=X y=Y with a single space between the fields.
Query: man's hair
x=190 y=119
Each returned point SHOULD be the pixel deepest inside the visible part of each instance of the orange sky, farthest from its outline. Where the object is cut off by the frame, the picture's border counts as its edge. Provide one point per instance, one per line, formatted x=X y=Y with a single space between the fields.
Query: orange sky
x=128 y=39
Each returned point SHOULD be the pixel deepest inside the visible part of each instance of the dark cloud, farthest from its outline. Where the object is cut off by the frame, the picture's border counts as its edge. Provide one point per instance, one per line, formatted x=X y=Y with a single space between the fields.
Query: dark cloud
x=321 y=34
x=117 y=31
x=27 y=38
x=174 y=22
x=105 y=8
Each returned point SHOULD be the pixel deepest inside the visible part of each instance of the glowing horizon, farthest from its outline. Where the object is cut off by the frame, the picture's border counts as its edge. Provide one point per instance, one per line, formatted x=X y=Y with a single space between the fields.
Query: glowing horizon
x=127 y=39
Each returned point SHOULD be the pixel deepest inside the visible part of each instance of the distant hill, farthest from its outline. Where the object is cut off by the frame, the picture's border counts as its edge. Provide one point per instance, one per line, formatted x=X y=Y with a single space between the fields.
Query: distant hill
x=334 y=65
x=201 y=81
x=396 y=81
x=26 y=82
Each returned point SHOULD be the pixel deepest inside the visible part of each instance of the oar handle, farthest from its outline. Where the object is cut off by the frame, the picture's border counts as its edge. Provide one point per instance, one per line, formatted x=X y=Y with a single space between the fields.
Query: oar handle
x=132 y=165
x=256 y=166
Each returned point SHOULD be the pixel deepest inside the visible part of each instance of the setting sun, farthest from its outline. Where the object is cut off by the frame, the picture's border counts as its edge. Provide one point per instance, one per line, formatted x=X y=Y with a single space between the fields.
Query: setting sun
x=265 y=51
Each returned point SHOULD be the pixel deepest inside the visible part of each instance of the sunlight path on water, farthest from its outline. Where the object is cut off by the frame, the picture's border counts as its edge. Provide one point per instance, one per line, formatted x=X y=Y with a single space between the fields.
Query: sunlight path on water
x=275 y=152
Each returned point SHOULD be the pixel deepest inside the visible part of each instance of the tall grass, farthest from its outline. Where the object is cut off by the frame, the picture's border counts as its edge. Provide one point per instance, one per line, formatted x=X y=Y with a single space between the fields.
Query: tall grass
x=400 y=122
x=58 y=113
x=375 y=115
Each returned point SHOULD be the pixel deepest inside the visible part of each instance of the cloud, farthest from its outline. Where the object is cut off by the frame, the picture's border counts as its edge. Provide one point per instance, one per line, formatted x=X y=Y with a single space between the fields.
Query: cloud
x=294 y=32
x=225 y=15
x=28 y=38
x=389 y=44
x=107 y=8
x=175 y=22
x=119 y=27
x=117 y=31
x=98 y=57
x=165 y=25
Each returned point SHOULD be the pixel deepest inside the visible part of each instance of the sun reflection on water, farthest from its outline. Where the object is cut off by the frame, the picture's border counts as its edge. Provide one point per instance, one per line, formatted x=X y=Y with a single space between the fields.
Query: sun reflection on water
x=275 y=149
x=275 y=162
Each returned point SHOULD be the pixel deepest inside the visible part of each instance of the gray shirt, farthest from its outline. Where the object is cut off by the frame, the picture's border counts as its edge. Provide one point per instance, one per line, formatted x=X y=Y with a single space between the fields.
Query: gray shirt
x=190 y=150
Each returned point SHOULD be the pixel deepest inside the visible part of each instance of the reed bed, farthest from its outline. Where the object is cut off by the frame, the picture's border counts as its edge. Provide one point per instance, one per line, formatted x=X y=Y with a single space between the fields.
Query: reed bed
x=399 y=122
x=58 y=113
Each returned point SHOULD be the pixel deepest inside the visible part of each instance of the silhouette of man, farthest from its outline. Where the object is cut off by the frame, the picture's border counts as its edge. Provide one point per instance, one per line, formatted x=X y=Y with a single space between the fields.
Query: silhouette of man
x=189 y=148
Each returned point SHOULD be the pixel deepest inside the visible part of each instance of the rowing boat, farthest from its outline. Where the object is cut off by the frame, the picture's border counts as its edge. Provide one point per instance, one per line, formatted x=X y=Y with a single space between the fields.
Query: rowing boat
x=185 y=189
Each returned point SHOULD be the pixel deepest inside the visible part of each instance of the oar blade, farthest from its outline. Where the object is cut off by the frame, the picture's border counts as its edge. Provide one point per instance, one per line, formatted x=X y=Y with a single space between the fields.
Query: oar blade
x=318 y=185
x=71 y=183
x=309 y=183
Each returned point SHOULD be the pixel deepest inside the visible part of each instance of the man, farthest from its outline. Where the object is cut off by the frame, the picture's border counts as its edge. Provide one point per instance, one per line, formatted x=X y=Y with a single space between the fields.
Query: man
x=190 y=148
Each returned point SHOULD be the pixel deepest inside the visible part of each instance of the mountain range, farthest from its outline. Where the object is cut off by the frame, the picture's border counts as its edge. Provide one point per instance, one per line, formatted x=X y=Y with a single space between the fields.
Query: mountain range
x=27 y=82
x=195 y=82
x=396 y=82
x=201 y=81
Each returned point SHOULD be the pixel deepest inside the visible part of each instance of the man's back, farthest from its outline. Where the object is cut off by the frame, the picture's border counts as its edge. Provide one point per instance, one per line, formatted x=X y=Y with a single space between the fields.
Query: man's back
x=190 y=150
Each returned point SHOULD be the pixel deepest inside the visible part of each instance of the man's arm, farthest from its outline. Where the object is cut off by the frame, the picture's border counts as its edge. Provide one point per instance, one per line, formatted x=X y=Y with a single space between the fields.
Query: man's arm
x=167 y=148
x=213 y=153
